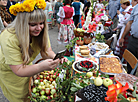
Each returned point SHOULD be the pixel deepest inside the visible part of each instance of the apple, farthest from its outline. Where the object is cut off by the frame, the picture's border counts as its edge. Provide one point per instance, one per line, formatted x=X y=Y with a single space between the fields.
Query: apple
x=37 y=94
x=48 y=98
x=43 y=97
x=47 y=91
x=54 y=83
x=51 y=86
x=47 y=85
x=41 y=83
x=51 y=72
x=98 y=81
x=54 y=76
x=51 y=79
x=44 y=81
x=42 y=92
x=36 y=81
x=34 y=90
x=47 y=77
x=53 y=91
x=41 y=76
x=89 y=74
x=55 y=95
x=107 y=82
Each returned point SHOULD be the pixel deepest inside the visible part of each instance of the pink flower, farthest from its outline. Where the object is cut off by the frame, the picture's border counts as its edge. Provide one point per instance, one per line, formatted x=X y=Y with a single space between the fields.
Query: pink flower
x=97 y=18
x=102 y=14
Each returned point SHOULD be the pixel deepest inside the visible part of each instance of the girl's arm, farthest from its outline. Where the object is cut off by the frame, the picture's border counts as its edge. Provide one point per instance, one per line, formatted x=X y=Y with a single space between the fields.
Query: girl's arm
x=30 y=70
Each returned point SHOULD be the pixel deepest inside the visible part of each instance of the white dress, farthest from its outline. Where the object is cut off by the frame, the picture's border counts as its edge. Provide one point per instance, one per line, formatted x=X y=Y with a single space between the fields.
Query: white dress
x=66 y=31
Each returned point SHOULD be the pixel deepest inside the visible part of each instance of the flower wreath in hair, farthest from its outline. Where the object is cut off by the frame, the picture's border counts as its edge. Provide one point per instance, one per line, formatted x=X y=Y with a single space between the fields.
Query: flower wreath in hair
x=27 y=6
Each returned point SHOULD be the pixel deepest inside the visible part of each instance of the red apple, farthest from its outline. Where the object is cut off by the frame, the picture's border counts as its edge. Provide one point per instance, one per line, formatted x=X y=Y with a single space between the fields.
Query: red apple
x=47 y=91
x=50 y=79
x=51 y=76
x=48 y=98
x=47 y=77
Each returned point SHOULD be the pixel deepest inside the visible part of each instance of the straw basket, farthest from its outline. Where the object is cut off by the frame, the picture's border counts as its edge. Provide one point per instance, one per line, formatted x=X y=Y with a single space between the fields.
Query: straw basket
x=32 y=80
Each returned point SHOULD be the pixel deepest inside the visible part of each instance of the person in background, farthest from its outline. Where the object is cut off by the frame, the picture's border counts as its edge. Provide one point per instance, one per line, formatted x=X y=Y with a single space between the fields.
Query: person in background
x=86 y=7
x=123 y=19
x=81 y=13
x=133 y=3
x=57 y=6
x=53 y=2
x=133 y=38
x=10 y=2
x=67 y=25
x=21 y=42
x=77 y=5
x=49 y=13
x=99 y=5
x=111 y=10
x=20 y=1
x=5 y=16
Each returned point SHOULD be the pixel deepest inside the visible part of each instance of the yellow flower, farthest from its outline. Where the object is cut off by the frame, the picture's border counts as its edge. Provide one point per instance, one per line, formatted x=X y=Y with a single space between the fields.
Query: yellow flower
x=27 y=6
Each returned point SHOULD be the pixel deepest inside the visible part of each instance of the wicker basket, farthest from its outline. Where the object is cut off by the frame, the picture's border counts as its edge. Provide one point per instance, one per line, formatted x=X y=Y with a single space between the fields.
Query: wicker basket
x=32 y=80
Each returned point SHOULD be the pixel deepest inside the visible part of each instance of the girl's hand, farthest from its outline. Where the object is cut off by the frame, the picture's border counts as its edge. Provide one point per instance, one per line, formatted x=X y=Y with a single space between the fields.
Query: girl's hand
x=49 y=64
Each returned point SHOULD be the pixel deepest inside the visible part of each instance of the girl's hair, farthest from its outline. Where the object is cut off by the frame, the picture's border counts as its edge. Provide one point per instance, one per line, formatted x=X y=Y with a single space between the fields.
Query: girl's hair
x=127 y=3
x=67 y=2
x=21 y=27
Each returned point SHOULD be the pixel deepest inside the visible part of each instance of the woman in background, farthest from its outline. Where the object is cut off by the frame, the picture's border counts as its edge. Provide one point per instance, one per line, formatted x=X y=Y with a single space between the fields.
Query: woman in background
x=57 y=6
x=49 y=13
x=5 y=16
x=67 y=25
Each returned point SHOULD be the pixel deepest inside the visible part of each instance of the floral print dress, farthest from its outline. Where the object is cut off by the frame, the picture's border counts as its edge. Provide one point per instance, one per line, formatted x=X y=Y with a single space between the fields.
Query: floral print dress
x=67 y=25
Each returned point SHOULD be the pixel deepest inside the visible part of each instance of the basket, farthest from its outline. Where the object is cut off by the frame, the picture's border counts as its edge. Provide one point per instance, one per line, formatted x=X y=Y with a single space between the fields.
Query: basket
x=78 y=33
x=33 y=78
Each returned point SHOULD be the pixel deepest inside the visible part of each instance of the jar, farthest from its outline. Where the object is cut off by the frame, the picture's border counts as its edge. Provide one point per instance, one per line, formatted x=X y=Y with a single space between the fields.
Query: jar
x=88 y=38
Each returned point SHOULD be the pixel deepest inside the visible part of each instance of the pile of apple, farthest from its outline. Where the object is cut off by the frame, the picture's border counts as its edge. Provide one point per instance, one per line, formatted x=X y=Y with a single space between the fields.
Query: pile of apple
x=44 y=86
x=98 y=81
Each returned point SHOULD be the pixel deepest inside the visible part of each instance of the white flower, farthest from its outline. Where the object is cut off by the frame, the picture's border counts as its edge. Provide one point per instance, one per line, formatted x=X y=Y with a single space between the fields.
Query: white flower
x=105 y=17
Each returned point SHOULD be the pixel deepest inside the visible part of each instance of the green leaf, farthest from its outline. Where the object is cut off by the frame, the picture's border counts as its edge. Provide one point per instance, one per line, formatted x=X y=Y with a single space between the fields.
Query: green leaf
x=77 y=86
x=91 y=81
x=73 y=89
x=123 y=99
x=85 y=81
x=84 y=69
x=64 y=83
x=97 y=73
x=135 y=89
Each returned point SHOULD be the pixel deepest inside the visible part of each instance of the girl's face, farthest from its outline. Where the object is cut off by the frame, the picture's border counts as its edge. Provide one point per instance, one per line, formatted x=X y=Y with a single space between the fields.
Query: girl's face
x=123 y=6
x=36 y=28
x=3 y=2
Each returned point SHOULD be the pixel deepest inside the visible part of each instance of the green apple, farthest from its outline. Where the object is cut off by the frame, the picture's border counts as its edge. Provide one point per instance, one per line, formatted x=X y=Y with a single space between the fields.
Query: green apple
x=89 y=74
x=98 y=81
x=107 y=82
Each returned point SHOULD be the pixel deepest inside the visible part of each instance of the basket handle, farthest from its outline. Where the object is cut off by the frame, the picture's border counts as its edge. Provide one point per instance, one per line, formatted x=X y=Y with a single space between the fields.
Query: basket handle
x=32 y=78
x=39 y=60
x=77 y=25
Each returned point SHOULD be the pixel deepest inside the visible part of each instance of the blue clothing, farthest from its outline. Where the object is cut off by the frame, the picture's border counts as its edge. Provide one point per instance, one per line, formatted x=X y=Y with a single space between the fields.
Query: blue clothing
x=113 y=6
x=134 y=18
x=76 y=6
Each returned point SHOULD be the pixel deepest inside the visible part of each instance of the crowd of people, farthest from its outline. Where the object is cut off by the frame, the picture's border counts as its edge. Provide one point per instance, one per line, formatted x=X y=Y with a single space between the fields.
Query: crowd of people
x=24 y=34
